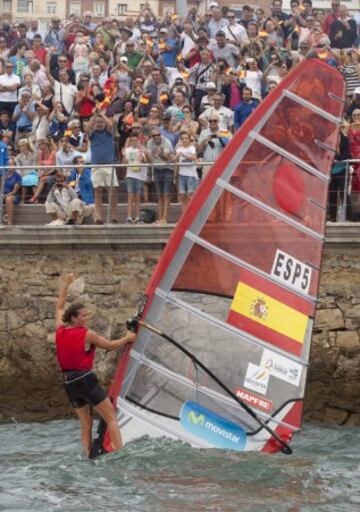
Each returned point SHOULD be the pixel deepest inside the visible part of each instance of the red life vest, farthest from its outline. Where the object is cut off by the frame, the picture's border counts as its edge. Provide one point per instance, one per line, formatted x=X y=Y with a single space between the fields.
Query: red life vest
x=70 y=349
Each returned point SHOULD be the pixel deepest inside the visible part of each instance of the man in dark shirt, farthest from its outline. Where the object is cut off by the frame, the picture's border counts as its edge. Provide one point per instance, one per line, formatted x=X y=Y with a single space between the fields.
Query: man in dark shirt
x=244 y=108
x=7 y=127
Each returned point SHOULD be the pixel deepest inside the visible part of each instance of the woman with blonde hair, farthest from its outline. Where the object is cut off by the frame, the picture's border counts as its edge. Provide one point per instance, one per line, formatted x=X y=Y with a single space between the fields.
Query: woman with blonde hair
x=27 y=157
x=46 y=157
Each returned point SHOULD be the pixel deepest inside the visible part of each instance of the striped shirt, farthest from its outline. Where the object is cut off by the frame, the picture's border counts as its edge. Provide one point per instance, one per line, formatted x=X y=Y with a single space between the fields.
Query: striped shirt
x=352 y=78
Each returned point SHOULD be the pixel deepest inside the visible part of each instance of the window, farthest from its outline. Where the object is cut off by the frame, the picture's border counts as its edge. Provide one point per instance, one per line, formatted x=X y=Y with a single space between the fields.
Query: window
x=51 y=7
x=7 y=5
x=75 y=8
x=99 y=8
x=122 y=8
x=25 y=6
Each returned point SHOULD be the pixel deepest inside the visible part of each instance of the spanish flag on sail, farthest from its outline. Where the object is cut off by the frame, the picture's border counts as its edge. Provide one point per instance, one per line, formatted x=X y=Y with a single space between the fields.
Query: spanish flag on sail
x=271 y=313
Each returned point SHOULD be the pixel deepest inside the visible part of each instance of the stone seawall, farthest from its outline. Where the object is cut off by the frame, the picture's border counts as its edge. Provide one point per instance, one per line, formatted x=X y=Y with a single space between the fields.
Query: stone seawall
x=117 y=263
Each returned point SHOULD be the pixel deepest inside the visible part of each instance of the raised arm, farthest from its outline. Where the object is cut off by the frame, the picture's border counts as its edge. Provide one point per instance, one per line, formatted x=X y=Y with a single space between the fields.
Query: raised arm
x=60 y=304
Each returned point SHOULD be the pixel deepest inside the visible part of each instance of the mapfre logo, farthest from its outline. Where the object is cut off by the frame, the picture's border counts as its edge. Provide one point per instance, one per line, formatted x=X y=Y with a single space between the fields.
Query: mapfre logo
x=259 y=309
x=254 y=400
x=196 y=419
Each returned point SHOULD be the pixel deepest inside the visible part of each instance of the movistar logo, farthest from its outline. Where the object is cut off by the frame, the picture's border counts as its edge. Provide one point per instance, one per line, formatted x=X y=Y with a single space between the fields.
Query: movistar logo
x=196 y=419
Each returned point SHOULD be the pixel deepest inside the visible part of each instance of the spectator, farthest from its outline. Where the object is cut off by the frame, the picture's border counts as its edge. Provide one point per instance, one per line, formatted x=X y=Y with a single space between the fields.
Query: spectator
x=159 y=151
x=134 y=154
x=168 y=131
x=4 y=156
x=331 y=17
x=23 y=115
x=354 y=141
x=245 y=108
x=27 y=158
x=65 y=92
x=188 y=177
x=100 y=132
x=65 y=154
x=9 y=84
x=201 y=74
x=80 y=180
x=226 y=116
x=217 y=22
x=17 y=58
x=208 y=99
x=212 y=141
x=234 y=32
x=224 y=50
x=7 y=127
x=46 y=158
x=34 y=31
x=63 y=204
x=12 y=187
x=355 y=104
x=343 y=31
x=188 y=124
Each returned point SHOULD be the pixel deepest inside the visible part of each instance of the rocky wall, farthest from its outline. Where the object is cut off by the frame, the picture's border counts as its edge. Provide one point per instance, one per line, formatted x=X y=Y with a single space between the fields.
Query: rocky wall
x=30 y=383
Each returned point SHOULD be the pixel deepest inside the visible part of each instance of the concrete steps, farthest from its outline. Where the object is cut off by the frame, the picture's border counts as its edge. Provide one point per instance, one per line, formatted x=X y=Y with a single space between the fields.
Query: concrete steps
x=34 y=214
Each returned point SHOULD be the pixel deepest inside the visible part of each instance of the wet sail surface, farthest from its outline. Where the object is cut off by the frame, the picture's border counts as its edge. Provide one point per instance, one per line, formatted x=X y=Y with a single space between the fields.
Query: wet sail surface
x=237 y=282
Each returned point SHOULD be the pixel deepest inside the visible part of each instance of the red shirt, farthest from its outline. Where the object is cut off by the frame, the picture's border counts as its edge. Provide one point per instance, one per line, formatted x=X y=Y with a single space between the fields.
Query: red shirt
x=70 y=349
x=40 y=54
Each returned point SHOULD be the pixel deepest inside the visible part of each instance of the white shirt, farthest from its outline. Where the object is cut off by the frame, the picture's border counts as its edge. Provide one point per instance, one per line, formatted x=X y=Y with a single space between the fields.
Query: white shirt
x=253 y=81
x=226 y=117
x=31 y=34
x=133 y=156
x=6 y=79
x=186 y=170
x=66 y=94
x=66 y=158
x=238 y=31
x=189 y=44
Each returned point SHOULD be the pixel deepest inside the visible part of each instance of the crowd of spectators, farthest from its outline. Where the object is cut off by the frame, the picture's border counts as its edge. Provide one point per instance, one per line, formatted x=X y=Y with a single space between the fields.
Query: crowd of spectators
x=159 y=93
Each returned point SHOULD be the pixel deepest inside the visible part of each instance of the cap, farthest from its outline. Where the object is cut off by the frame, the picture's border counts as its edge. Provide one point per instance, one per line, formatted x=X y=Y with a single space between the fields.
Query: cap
x=128 y=31
x=166 y=116
x=357 y=90
x=214 y=4
x=179 y=80
x=210 y=85
x=163 y=29
x=274 y=79
x=26 y=90
x=124 y=59
x=250 y=59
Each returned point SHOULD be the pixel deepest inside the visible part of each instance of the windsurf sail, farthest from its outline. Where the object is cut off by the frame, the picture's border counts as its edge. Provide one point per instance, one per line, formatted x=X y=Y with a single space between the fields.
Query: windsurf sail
x=236 y=285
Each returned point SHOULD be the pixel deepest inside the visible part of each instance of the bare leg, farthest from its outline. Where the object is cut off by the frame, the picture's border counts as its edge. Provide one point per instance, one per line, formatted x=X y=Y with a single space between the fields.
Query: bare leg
x=129 y=206
x=40 y=187
x=85 y=417
x=106 y=411
x=166 y=205
x=161 y=207
x=183 y=202
x=98 y=191
x=23 y=195
x=113 y=202
x=137 y=203
x=9 y=207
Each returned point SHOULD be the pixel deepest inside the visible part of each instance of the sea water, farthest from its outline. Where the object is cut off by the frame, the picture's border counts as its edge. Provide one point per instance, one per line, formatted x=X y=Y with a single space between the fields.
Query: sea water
x=42 y=469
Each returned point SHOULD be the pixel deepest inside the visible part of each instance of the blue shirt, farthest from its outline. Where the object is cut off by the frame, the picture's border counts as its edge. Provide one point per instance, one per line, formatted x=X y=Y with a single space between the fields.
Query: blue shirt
x=24 y=121
x=4 y=156
x=242 y=112
x=102 y=147
x=169 y=57
x=10 y=182
x=86 y=190
x=171 y=136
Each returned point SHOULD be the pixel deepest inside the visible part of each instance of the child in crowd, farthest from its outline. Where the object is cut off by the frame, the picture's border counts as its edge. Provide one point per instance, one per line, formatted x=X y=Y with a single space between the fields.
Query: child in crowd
x=134 y=154
x=188 y=177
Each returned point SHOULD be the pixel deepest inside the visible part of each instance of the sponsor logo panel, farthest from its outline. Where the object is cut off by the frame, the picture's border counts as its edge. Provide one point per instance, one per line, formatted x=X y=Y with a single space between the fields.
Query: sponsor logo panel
x=254 y=400
x=291 y=271
x=257 y=378
x=281 y=367
x=211 y=427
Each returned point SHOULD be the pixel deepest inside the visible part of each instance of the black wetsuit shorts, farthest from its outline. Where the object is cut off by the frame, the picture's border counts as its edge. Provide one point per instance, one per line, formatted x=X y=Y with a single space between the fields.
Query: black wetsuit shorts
x=82 y=388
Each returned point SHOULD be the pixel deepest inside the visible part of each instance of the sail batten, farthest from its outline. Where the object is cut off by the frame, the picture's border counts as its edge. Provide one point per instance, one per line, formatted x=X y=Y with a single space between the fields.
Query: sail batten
x=225 y=326
x=312 y=107
x=281 y=151
x=236 y=287
x=243 y=264
x=268 y=209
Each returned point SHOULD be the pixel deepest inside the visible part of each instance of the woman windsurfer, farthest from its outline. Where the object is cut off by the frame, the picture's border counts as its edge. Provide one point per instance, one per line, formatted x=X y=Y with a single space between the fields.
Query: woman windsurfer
x=75 y=349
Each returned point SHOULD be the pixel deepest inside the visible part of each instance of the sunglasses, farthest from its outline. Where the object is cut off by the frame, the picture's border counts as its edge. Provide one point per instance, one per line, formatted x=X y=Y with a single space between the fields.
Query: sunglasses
x=213 y=120
x=156 y=135
x=62 y=60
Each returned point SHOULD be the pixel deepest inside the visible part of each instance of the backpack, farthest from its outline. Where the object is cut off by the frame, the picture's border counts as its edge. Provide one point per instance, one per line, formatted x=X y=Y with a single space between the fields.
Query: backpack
x=147 y=216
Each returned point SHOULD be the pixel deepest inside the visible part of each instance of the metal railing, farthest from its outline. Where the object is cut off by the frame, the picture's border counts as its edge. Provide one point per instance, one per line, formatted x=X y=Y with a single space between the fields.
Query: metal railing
x=343 y=205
